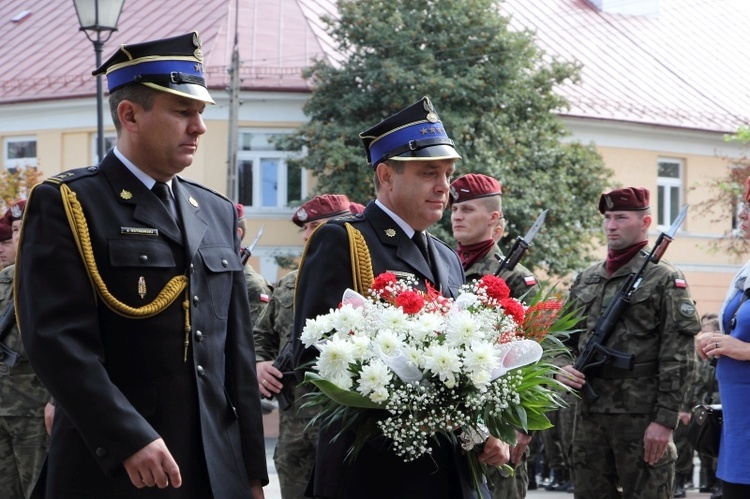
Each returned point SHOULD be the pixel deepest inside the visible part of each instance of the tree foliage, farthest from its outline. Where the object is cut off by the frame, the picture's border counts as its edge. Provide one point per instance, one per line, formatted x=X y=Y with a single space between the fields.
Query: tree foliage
x=727 y=192
x=15 y=184
x=495 y=93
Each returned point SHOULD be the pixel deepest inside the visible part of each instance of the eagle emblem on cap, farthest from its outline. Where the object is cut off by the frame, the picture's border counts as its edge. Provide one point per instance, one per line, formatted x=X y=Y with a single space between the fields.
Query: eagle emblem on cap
x=454 y=193
x=610 y=203
x=15 y=211
x=432 y=116
x=302 y=214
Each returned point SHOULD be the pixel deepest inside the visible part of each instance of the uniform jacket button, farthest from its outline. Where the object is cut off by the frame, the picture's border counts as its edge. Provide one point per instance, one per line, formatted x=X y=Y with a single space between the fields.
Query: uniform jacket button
x=196 y=300
x=224 y=263
x=143 y=258
x=101 y=451
x=198 y=336
x=201 y=371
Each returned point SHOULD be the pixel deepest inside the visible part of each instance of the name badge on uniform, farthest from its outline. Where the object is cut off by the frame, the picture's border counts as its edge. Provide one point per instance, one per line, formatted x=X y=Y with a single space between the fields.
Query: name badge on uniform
x=139 y=231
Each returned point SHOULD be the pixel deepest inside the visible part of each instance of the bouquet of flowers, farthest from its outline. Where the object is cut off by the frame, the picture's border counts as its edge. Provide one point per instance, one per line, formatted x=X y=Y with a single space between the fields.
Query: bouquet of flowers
x=434 y=366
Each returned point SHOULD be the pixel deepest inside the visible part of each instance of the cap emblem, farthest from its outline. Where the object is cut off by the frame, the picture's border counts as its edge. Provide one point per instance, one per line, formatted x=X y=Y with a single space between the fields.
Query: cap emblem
x=610 y=203
x=302 y=214
x=15 y=211
x=454 y=193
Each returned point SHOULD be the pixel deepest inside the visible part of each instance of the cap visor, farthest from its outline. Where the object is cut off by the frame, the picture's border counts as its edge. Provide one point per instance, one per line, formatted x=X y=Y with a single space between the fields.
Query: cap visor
x=437 y=152
x=188 y=90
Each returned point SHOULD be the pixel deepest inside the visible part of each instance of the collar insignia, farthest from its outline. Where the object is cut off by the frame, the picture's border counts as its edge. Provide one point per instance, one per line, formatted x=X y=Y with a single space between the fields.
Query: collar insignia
x=390 y=232
x=126 y=194
x=193 y=202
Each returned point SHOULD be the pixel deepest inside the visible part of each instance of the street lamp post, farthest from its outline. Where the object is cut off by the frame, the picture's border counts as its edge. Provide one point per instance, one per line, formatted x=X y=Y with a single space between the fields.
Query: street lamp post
x=98 y=16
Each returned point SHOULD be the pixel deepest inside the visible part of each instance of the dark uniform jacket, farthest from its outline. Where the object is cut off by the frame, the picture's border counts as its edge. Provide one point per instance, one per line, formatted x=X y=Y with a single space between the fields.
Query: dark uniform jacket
x=325 y=273
x=120 y=382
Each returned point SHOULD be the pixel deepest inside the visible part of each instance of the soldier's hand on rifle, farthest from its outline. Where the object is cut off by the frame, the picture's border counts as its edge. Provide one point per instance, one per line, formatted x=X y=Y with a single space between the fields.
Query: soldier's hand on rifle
x=269 y=378
x=571 y=377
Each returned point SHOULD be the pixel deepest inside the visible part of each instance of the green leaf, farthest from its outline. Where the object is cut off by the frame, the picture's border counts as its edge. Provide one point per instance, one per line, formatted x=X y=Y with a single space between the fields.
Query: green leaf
x=343 y=397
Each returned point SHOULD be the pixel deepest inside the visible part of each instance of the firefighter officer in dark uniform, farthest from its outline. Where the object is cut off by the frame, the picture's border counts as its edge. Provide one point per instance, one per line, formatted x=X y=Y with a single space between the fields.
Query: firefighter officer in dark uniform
x=132 y=304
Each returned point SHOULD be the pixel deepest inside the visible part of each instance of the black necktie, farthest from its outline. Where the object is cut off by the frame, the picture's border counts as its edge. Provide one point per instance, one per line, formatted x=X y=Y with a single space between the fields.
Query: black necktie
x=162 y=190
x=420 y=239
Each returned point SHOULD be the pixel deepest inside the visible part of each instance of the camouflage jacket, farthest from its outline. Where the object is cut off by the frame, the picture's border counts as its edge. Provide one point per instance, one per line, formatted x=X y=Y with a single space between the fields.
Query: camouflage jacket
x=657 y=328
x=274 y=325
x=258 y=292
x=21 y=392
x=522 y=283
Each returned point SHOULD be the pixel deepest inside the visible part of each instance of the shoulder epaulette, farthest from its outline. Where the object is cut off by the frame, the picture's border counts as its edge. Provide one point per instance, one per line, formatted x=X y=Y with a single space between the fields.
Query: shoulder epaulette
x=348 y=217
x=205 y=188
x=71 y=175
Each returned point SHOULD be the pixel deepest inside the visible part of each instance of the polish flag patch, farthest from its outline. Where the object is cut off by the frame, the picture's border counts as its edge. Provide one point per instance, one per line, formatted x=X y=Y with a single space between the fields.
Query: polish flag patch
x=264 y=298
x=680 y=283
x=530 y=280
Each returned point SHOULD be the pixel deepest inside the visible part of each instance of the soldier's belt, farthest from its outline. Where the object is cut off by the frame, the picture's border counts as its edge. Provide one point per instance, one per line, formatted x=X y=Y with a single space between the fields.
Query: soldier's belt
x=640 y=370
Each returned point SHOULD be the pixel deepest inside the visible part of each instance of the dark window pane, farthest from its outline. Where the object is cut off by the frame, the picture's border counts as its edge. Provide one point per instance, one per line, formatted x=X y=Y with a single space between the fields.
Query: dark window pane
x=662 y=205
x=245 y=182
x=669 y=170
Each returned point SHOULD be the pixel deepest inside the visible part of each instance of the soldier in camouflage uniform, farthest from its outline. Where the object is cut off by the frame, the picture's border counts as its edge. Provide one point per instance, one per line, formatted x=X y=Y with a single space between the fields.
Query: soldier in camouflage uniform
x=294 y=455
x=623 y=438
x=478 y=223
x=23 y=437
x=258 y=288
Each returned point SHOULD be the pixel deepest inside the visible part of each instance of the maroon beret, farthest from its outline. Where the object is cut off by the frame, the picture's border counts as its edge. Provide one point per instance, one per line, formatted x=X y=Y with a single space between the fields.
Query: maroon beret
x=625 y=199
x=323 y=206
x=5 y=231
x=472 y=186
x=356 y=207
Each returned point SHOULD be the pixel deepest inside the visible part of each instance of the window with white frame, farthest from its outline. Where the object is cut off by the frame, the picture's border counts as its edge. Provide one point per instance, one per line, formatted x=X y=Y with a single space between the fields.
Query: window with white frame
x=263 y=180
x=109 y=143
x=669 y=190
x=19 y=152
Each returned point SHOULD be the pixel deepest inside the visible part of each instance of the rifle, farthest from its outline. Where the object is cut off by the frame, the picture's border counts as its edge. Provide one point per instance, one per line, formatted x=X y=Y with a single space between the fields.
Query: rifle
x=8 y=356
x=247 y=251
x=595 y=354
x=285 y=363
x=520 y=245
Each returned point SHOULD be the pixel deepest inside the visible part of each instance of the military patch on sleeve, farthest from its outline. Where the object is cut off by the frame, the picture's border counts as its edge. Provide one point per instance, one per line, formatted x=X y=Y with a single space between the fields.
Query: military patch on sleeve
x=687 y=308
x=530 y=280
x=264 y=298
x=680 y=283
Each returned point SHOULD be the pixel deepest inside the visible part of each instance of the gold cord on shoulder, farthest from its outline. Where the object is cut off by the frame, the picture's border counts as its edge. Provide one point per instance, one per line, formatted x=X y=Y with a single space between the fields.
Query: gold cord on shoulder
x=361 y=261
x=80 y=229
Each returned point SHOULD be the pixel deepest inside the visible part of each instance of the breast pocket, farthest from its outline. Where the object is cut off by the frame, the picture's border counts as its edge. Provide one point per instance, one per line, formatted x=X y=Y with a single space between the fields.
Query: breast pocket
x=220 y=263
x=140 y=252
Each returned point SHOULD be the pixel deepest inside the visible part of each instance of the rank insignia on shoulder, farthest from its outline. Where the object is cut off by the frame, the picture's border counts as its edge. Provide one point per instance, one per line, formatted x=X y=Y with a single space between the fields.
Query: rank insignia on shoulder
x=530 y=280
x=680 y=283
x=390 y=232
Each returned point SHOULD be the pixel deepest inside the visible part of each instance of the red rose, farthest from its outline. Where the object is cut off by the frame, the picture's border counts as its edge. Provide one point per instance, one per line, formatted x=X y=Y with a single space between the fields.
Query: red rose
x=410 y=302
x=496 y=287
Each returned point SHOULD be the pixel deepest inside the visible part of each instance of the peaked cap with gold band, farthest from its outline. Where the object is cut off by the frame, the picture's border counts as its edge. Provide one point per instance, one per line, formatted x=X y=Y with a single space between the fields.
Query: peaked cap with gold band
x=412 y=134
x=173 y=65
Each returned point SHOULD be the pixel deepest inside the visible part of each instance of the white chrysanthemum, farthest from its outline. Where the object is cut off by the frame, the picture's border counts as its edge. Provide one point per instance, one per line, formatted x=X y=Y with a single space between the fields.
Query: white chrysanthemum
x=389 y=342
x=445 y=362
x=480 y=379
x=335 y=357
x=347 y=318
x=374 y=376
x=481 y=356
x=414 y=355
x=465 y=301
x=362 y=347
x=314 y=331
x=343 y=380
x=394 y=319
x=424 y=327
x=462 y=327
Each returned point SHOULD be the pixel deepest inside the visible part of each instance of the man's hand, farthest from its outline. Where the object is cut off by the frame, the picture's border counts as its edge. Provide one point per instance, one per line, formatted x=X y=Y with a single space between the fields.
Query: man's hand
x=153 y=465
x=655 y=442
x=495 y=452
x=256 y=489
x=269 y=378
x=571 y=377
x=49 y=417
x=516 y=452
x=685 y=417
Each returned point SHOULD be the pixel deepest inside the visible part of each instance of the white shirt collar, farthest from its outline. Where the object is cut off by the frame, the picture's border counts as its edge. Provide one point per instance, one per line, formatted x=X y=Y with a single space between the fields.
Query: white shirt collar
x=400 y=221
x=139 y=174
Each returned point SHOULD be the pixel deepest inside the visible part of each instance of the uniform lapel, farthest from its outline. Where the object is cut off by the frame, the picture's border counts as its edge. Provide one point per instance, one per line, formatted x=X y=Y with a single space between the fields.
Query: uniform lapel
x=147 y=208
x=194 y=224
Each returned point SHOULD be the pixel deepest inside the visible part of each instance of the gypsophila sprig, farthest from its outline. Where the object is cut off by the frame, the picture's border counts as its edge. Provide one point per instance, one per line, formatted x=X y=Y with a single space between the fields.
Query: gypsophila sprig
x=434 y=366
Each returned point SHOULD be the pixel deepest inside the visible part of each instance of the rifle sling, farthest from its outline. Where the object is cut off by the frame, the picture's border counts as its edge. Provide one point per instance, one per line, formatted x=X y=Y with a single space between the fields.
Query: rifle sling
x=640 y=370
